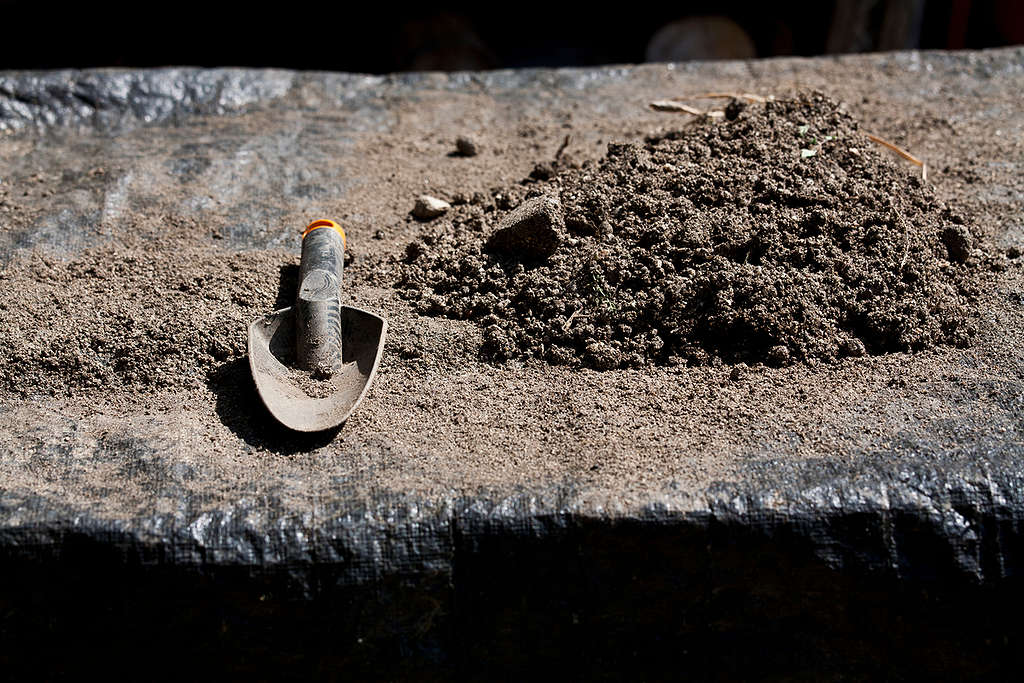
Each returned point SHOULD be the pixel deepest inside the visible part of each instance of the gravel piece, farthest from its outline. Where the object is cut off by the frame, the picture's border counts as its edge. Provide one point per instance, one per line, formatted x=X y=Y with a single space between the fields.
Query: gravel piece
x=428 y=208
x=467 y=146
x=533 y=230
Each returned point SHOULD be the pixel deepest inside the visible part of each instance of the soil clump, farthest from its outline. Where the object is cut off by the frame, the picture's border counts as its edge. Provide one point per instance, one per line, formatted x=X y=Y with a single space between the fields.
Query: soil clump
x=780 y=234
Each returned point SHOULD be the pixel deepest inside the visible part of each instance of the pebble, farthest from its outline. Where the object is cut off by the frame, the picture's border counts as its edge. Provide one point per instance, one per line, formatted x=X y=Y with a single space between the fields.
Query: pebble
x=467 y=146
x=428 y=207
x=532 y=230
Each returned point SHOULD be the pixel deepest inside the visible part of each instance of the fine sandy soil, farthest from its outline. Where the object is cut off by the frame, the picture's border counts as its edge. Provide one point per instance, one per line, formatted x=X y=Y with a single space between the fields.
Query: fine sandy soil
x=894 y=302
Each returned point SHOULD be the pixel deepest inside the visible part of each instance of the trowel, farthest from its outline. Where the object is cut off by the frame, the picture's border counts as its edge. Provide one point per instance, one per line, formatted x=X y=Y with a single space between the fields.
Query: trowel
x=313 y=362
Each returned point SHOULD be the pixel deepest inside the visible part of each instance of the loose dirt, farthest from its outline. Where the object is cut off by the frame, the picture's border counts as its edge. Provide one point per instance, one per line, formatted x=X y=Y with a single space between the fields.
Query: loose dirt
x=142 y=317
x=778 y=235
x=131 y=266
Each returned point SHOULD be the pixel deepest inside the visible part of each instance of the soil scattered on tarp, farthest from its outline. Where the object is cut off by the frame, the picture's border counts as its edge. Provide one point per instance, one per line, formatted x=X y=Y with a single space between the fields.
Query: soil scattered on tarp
x=777 y=236
x=114 y=317
x=780 y=234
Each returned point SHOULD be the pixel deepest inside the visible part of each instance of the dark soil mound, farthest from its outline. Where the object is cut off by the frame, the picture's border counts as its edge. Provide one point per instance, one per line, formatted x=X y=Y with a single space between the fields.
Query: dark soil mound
x=779 y=234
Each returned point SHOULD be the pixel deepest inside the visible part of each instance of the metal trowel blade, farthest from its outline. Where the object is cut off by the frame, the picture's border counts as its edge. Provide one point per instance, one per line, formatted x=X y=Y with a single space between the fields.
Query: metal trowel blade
x=272 y=352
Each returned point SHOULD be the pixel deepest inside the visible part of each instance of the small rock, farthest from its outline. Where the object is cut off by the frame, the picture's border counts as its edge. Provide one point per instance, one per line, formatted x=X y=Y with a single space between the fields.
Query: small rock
x=467 y=146
x=428 y=207
x=533 y=230
x=959 y=243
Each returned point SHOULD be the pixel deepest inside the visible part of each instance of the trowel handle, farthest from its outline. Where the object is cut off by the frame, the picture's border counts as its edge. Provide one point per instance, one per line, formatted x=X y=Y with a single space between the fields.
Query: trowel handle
x=318 y=303
x=323 y=248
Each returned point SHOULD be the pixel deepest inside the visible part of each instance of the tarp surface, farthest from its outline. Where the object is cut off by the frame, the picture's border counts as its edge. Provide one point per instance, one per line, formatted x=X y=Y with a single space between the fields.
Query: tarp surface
x=458 y=525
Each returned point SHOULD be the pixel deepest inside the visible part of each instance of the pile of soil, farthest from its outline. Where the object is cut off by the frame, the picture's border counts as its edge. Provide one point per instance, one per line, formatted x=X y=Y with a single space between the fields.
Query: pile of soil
x=777 y=234
x=116 y=317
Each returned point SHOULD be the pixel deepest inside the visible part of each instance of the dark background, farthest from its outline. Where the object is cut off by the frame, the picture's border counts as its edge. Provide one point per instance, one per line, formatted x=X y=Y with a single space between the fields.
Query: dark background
x=379 y=37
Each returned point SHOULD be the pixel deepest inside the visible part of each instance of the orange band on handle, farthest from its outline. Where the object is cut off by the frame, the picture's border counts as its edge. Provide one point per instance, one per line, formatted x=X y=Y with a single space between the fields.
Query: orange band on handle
x=324 y=223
